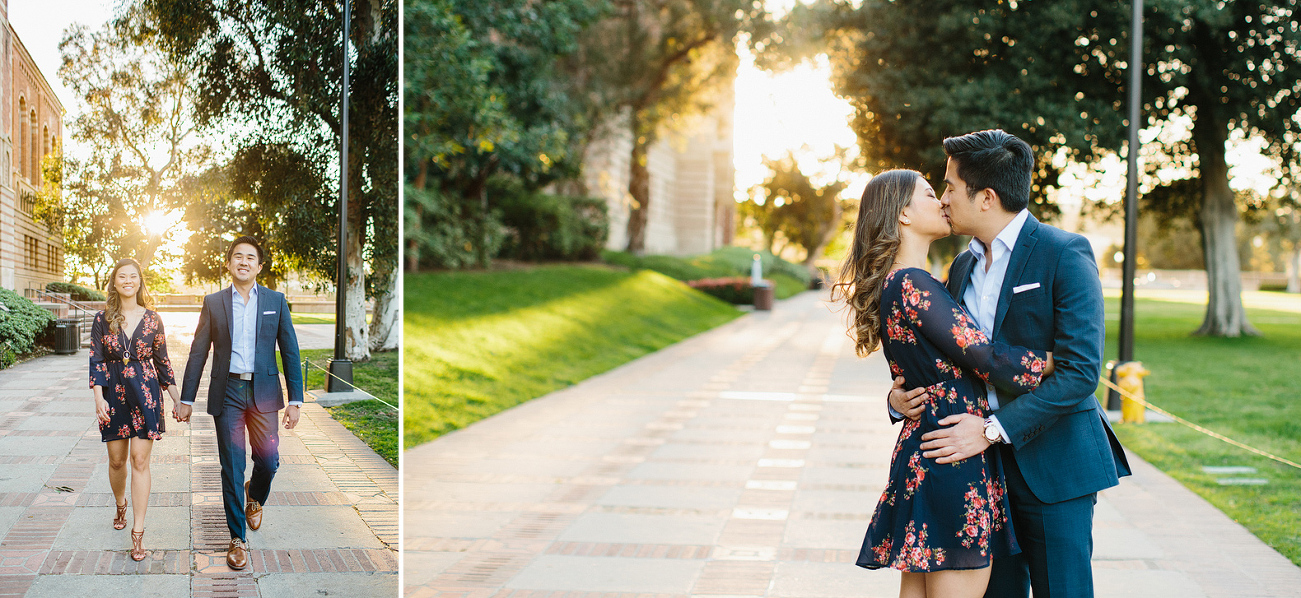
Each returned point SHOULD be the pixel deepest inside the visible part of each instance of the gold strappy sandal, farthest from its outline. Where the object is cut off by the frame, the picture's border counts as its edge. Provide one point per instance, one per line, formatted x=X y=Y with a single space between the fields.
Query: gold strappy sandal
x=119 y=522
x=137 y=551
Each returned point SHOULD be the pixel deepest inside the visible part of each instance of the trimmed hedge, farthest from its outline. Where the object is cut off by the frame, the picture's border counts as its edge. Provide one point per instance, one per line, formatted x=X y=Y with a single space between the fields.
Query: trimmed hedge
x=733 y=289
x=23 y=323
x=790 y=279
x=78 y=292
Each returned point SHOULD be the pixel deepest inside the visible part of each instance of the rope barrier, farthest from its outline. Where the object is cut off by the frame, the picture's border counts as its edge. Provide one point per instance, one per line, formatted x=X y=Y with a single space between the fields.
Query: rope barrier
x=308 y=363
x=1211 y=433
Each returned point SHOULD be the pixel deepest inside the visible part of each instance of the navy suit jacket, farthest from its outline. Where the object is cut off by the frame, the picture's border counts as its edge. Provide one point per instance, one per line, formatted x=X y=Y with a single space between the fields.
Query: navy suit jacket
x=274 y=327
x=1063 y=444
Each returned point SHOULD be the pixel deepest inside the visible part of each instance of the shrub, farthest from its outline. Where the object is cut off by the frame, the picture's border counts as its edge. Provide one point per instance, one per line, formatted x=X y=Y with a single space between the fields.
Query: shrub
x=540 y=226
x=22 y=323
x=443 y=232
x=728 y=261
x=78 y=292
x=732 y=289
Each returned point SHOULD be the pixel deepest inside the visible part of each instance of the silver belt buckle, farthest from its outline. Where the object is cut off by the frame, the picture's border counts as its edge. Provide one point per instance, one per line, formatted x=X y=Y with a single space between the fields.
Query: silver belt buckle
x=245 y=376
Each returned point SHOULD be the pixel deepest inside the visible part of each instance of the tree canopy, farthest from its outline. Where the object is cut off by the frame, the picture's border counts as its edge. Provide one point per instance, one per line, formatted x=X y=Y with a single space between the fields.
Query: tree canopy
x=273 y=72
x=1056 y=75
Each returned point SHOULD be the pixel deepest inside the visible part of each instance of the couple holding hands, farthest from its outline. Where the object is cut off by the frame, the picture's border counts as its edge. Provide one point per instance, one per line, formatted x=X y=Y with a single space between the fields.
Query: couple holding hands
x=1004 y=446
x=129 y=371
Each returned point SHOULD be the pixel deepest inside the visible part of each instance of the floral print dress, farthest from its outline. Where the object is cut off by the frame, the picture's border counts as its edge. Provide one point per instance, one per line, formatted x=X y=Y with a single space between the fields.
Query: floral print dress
x=133 y=372
x=934 y=517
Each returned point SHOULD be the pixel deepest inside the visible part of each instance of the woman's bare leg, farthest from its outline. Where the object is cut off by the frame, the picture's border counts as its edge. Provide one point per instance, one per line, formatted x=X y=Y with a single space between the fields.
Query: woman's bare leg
x=140 y=482
x=967 y=583
x=912 y=585
x=117 y=456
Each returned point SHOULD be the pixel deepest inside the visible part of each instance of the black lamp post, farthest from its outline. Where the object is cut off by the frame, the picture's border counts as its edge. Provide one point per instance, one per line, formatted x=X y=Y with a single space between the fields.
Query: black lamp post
x=1126 y=349
x=340 y=366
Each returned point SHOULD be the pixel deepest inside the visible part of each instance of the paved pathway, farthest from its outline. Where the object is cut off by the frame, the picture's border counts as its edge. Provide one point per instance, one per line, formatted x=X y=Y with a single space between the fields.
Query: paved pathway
x=743 y=462
x=330 y=524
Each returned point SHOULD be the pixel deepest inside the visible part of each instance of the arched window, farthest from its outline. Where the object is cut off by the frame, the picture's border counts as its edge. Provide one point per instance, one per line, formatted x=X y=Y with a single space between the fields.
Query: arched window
x=45 y=150
x=21 y=138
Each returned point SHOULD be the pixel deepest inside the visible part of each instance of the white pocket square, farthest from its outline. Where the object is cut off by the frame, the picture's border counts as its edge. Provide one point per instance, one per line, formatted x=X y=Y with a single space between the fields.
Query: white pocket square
x=1025 y=287
x=267 y=313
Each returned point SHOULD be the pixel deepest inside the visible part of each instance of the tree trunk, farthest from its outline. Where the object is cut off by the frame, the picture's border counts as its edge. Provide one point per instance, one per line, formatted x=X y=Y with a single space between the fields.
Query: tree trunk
x=356 y=347
x=1294 y=269
x=384 y=324
x=638 y=188
x=1219 y=217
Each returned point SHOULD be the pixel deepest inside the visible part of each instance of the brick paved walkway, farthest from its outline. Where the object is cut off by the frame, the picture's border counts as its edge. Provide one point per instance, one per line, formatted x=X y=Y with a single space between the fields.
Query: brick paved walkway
x=744 y=462
x=330 y=525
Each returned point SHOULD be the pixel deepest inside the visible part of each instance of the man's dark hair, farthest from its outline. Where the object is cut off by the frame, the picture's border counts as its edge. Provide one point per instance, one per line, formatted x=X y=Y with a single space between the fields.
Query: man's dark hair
x=995 y=160
x=244 y=239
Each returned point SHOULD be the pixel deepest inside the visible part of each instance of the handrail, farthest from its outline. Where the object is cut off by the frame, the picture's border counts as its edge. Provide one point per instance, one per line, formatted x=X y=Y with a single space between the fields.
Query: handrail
x=84 y=315
x=73 y=304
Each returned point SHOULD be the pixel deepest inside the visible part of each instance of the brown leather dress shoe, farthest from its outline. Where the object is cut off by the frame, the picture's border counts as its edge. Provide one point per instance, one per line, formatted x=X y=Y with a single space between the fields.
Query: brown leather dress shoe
x=252 y=510
x=237 y=554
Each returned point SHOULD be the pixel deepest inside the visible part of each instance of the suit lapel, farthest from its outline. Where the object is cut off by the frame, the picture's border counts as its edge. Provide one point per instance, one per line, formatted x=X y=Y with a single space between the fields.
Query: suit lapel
x=962 y=271
x=228 y=310
x=1025 y=243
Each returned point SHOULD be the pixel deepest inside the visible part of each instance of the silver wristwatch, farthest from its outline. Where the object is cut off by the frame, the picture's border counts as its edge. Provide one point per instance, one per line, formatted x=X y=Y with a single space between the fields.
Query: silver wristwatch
x=991 y=431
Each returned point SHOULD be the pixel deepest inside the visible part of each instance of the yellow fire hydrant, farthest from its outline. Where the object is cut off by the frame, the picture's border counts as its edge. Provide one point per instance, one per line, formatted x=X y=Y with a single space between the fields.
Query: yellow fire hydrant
x=1129 y=377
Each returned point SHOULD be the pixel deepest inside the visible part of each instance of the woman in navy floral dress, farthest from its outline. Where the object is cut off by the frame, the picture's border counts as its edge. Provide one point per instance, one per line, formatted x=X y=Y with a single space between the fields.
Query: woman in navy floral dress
x=129 y=371
x=940 y=524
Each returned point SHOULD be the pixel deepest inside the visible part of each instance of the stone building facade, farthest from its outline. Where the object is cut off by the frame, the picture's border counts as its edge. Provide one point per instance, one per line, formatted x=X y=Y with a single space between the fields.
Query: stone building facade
x=30 y=128
x=692 y=209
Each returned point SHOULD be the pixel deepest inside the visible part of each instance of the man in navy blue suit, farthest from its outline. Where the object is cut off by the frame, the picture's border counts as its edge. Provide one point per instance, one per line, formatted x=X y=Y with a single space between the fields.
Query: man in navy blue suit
x=1033 y=285
x=242 y=325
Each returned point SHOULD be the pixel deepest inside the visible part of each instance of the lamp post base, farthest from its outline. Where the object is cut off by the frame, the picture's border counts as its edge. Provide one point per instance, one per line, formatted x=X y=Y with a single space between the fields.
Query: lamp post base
x=341 y=378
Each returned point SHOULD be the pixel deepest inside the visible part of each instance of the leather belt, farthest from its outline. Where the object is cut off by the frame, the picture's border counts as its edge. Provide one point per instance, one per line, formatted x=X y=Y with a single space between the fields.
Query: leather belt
x=247 y=376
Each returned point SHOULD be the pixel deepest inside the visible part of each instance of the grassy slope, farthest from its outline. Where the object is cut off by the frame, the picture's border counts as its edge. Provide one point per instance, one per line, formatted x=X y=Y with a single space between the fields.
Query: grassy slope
x=481 y=342
x=1244 y=388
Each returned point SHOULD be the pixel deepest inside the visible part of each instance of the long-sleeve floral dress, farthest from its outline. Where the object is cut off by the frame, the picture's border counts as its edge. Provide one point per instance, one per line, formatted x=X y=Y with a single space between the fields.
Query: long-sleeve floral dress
x=934 y=517
x=133 y=372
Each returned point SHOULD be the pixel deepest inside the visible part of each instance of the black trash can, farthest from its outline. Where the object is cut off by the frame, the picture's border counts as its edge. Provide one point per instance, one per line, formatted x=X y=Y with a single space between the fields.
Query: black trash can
x=67 y=336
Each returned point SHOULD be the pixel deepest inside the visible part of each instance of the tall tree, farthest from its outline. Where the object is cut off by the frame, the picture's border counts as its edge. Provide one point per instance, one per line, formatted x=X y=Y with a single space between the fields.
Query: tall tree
x=274 y=71
x=487 y=94
x=657 y=61
x=806 y=212
x=1056 y=74
x=138 y=130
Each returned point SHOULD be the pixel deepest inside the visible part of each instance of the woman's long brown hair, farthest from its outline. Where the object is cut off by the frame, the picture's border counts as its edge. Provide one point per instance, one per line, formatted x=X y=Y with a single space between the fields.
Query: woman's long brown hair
x=113 y=307
x=876 y=240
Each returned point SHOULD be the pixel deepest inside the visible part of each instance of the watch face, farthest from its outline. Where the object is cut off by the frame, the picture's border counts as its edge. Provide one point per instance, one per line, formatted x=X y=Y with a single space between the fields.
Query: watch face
x=991 y=434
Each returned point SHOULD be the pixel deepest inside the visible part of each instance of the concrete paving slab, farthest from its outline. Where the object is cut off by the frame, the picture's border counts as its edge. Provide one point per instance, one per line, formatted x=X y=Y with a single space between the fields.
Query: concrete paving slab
x=1146 y=583
x=50 y=422
x=28 y=477
x=453 y=524
x=420 y=567
x=91 y=528
x=314 y=585
x=689 y=471
x=833 y=580
x=608 y=574
x=37 y=445
x=643 y=529
x=824 y=534
x=308 y=528
x=298 y=478
x=671 y=497
x=154 y=586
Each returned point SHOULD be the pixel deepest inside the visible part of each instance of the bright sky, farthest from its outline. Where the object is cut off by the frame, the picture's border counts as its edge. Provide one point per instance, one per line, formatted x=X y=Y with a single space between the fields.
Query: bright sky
x=40 y=24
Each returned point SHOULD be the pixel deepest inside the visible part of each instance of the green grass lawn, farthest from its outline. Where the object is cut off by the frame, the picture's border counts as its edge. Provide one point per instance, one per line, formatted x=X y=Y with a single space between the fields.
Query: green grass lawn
x=315 y=318
x=1244 y=388
x=789 y=279
x=373 y=422
x=481 y=342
